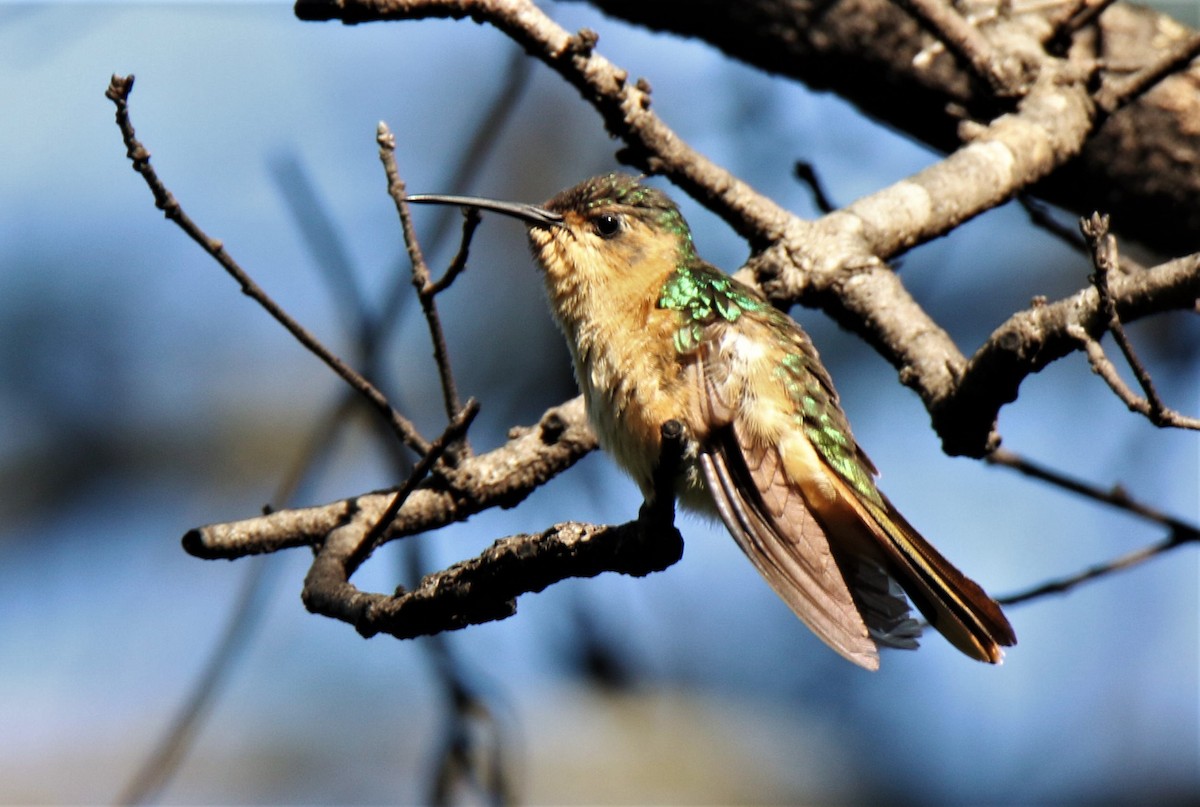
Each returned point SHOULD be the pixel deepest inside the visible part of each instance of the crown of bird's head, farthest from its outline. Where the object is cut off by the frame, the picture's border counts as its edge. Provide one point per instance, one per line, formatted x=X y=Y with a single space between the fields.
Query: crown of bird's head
x=602 y=229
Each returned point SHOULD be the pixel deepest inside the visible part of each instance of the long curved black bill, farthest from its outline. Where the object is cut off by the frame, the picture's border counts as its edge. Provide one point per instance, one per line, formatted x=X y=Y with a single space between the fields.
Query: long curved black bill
x=530 y=214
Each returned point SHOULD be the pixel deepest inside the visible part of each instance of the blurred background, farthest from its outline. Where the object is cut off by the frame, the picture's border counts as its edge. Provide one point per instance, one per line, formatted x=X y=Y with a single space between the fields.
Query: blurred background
x=141 y=394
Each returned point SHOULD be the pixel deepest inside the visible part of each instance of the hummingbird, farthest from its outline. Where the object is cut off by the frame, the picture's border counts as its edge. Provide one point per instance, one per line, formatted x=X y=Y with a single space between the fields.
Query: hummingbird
x=656 y=333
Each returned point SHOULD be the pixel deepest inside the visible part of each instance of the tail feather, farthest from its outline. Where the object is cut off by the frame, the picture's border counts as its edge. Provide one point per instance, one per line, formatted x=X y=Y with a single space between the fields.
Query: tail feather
x=953 y=603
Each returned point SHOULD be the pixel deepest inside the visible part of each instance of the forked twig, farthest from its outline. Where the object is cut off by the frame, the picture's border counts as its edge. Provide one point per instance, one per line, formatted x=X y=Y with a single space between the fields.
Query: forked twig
x=118 y=92
x=421 y=278
x=1103 y=247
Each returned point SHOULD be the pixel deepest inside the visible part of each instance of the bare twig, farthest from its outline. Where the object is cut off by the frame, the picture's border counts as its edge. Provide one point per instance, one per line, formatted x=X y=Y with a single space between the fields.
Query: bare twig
x=1181 y=532
x=1103 y=246
x=118 y=92
x=1114 y=497
x=1099 y=570
x=1115 y=94
x=965 y=41
x=459 y=262
x=453 y=432
x=421 y=278
x=806 y=173
x=481 y=143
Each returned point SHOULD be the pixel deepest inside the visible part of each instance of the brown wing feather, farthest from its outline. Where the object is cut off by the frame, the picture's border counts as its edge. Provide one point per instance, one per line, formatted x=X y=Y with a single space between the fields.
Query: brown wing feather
x=799 y=565
x=775 y=529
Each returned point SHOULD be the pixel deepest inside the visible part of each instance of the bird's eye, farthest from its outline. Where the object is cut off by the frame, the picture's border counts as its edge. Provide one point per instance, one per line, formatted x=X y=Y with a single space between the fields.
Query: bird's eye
x=607 y=225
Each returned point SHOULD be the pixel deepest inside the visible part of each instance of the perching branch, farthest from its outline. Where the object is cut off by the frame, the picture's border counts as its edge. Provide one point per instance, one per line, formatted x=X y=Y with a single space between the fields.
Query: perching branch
x=498 y=478
x=486 y=588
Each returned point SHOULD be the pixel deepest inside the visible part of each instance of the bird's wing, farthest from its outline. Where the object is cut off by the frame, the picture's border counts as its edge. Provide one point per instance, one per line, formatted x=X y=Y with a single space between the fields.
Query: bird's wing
x=771 y=523
x=872 y=541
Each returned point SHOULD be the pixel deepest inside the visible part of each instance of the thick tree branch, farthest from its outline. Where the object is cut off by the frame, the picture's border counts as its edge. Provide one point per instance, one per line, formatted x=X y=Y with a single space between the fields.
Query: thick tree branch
x=837 y=260
x=1031 y=339
x=502 y=477
x=486 y=588
x=865 y=51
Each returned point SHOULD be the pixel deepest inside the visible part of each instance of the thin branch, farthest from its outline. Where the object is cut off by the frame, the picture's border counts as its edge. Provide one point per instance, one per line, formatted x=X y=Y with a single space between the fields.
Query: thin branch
x=471 y=221
x=1103 y=246
x=118 y=92
x=482 y=142
x=806 y=173
x=1115 y=94
x=421 y=278
x=1002 y=74
x=453 y=432
x=1099 y=570
x=1181 y=532
x=1114 y=497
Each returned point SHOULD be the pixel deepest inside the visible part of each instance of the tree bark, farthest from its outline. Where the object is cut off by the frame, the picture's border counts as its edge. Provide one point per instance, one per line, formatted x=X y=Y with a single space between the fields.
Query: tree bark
x=1140 y=166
